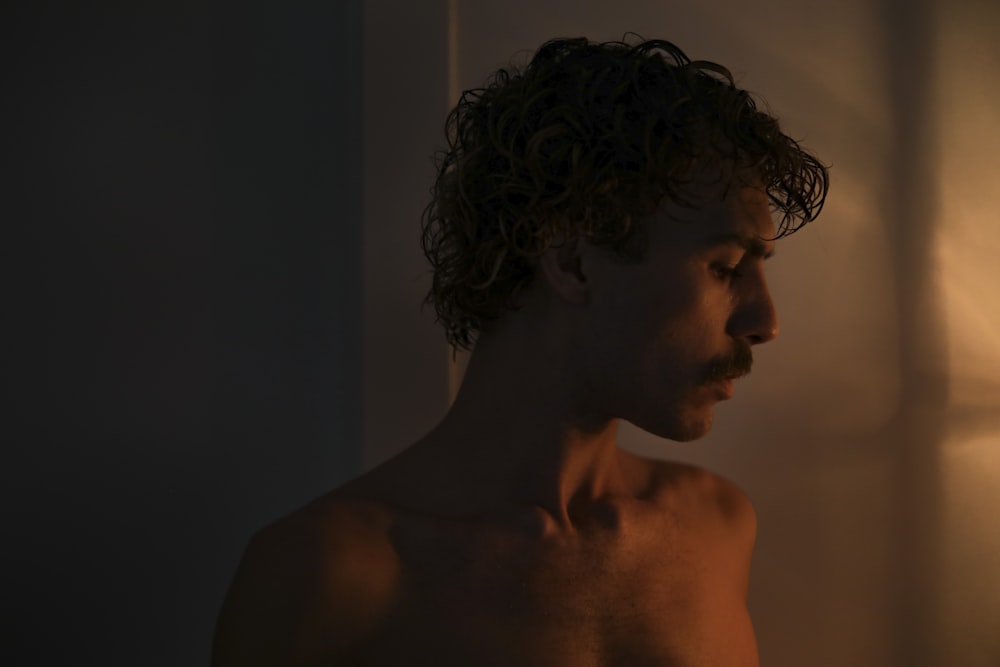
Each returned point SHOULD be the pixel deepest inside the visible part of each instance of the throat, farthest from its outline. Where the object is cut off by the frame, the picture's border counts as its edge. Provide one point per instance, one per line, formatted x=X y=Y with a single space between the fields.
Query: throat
x=608 y=519
x=601 y=497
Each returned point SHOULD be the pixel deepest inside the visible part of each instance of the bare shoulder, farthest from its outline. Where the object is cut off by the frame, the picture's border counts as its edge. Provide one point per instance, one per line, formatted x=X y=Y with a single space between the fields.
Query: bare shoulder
x=310 y=587
x=705 y=497
x=715 y=521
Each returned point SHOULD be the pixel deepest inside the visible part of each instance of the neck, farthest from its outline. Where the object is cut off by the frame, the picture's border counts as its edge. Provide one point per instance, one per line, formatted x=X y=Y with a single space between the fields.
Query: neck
x=519 y=434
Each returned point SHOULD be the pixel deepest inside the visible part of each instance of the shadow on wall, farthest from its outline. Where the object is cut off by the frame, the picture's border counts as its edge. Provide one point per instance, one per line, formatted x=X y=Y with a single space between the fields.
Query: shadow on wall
x=189 y=178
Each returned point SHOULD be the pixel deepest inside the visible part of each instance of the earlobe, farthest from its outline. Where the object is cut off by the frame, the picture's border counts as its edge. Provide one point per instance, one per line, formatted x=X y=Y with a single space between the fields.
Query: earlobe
x=563 y=269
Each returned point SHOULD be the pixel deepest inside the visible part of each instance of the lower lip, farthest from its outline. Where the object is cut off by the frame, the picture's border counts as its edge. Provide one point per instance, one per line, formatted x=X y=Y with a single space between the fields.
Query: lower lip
x=726 y=387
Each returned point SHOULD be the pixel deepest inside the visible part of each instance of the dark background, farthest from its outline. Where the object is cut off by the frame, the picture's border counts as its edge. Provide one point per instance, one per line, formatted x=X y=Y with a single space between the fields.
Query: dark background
x=182 y=215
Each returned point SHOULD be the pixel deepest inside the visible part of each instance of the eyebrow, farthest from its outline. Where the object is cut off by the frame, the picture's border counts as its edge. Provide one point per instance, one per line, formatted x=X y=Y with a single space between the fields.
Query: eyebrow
x=754 y=245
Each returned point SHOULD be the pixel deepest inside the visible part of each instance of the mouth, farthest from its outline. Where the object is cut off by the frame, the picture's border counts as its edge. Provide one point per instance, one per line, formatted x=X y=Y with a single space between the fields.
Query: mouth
x=725 y=388
x=726 y=369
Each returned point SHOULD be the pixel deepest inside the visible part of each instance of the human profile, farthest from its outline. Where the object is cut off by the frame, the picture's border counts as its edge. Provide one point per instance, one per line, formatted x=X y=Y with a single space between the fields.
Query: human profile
x=598 y=233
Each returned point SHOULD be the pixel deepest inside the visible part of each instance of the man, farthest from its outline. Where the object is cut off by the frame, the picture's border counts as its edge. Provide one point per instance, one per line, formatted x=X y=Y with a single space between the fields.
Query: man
x=598 y=232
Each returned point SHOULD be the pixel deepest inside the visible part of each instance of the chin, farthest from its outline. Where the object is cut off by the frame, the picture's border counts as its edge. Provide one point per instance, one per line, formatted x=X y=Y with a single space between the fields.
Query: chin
x=687 y=429
x=691 y=434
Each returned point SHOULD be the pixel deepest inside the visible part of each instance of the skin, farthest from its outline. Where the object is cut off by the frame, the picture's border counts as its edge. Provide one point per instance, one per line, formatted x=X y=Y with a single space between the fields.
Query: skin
x=517 y=532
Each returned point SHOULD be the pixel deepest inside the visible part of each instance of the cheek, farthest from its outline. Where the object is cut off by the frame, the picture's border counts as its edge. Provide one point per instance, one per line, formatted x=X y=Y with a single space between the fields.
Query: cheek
x=685 y=311
x=665 y=317
x=691 y=330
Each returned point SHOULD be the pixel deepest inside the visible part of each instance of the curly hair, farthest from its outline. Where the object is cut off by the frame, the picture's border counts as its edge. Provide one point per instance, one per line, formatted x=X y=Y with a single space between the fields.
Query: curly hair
x=585 y=141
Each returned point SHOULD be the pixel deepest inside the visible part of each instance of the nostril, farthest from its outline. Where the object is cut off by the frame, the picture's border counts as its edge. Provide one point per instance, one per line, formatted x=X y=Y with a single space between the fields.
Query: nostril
x=763 y=336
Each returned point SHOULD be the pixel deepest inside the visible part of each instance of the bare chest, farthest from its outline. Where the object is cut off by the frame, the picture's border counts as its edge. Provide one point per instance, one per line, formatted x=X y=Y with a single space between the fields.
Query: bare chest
x=640 y=597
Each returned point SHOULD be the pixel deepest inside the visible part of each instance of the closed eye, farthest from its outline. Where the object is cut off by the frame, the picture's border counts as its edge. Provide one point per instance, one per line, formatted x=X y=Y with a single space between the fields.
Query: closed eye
x=726 y=272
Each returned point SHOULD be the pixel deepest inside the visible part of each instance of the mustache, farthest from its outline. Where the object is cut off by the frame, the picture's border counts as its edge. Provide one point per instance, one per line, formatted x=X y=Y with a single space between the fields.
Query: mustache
x=733 y=365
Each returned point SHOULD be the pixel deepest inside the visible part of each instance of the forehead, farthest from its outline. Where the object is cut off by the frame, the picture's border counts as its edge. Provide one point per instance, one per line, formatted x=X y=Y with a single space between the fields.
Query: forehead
x=723 y=211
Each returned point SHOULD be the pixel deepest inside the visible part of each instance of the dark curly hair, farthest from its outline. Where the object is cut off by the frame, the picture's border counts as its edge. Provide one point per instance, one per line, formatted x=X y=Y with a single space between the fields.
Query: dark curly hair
x=585 y=141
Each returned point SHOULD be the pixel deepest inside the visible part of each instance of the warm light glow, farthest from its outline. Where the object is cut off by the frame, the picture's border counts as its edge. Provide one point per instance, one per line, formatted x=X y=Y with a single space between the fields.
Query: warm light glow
x=969 y=243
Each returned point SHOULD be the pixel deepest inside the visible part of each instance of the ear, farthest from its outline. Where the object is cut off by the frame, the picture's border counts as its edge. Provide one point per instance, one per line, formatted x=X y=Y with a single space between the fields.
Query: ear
x=565 y=270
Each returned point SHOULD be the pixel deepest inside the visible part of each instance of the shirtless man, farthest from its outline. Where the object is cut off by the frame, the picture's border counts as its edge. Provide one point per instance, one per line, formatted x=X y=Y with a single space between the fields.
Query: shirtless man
x=598 y=229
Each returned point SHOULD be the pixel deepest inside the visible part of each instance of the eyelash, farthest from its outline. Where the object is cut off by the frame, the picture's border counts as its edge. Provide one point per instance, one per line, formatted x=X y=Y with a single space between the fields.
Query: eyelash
x=726 y=272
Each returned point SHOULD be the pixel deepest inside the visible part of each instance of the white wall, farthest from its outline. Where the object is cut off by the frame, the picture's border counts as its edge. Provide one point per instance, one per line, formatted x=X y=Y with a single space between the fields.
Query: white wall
x=869 y=434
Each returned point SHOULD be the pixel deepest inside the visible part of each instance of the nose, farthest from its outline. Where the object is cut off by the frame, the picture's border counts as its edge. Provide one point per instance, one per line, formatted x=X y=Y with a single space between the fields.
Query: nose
x=755 y=318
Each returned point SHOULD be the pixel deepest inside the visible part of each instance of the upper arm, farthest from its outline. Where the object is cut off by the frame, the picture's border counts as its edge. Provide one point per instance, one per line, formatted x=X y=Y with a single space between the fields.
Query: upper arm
x=303 y=592
x=736 y=509
x=732 y=521
x=258 y=622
